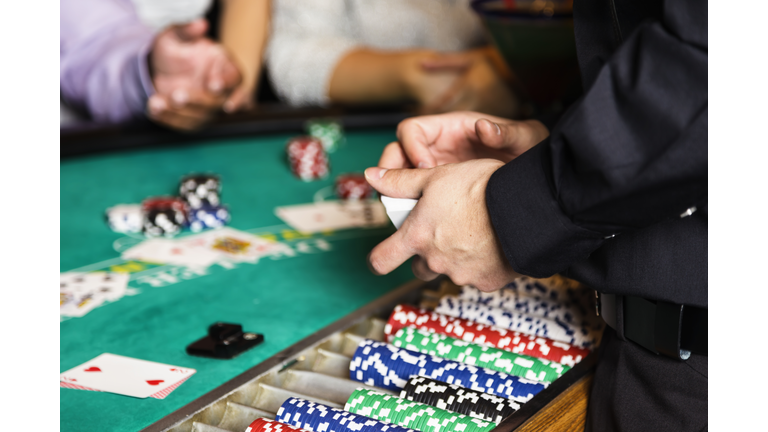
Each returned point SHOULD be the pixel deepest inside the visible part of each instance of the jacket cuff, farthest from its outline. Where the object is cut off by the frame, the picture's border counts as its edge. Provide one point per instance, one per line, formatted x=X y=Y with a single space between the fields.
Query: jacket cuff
x=538 y=239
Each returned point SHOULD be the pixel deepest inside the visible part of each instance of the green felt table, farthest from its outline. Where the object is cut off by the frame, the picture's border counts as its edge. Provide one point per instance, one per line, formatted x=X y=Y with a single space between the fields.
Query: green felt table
x=286 y=298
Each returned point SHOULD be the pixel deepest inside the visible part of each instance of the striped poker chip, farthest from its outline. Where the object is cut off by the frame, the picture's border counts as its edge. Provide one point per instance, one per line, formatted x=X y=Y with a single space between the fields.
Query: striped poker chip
x=458 y=399
x=517 y=342
x=315 y=417
x=477 y=355
x=535 y=326
x=307 y=158
x=386 y=366
x=267 y=425
x=413 y=415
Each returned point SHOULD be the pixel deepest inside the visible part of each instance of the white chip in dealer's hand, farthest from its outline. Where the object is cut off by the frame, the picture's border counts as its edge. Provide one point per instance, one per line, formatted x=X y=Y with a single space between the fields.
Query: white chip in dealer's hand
x=398 y=208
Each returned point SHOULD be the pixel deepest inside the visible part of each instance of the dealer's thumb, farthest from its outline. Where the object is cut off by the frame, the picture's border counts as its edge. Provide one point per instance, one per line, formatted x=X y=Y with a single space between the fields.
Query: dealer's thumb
x=398 y=183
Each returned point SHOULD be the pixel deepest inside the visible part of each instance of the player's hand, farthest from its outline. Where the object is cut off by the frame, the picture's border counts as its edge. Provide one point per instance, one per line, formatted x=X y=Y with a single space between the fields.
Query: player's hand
x=449 y=230
x=192 y=75
x=430 y=141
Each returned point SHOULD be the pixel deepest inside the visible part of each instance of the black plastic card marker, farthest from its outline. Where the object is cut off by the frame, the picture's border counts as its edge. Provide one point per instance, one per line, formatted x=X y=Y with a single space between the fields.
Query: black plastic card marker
x=224 y=341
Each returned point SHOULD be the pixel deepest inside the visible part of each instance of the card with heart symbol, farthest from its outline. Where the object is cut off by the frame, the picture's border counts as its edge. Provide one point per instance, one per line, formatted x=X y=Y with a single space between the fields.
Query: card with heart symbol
x=126 y=376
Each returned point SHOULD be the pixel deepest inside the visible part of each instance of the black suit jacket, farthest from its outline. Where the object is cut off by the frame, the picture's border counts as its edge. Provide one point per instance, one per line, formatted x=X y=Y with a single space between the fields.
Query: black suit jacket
x=600 y=199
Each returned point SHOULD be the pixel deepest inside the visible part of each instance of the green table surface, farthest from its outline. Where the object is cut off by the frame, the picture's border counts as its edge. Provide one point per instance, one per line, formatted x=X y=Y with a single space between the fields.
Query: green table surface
x=169 y=307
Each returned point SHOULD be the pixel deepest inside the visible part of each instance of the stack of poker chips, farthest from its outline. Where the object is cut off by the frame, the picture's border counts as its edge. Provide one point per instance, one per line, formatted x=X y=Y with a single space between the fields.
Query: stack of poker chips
x=459 y=328
x=493 y=316
x=353 y=187
x=197 y=207
x=202 y=195
x=163 y=216
x=458 y=399
x=317 y=417
x=329 y=132
x=266 y=425
x=307 y=158
x=477 y=355
x=410 y=414
x=386 y=366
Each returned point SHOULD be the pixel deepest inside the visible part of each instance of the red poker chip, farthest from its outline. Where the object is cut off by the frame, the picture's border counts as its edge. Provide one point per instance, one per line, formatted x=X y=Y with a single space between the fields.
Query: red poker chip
x=266 y=425
x=353 y=187
x=307 y=158
x=470 y=331
x=163 y=203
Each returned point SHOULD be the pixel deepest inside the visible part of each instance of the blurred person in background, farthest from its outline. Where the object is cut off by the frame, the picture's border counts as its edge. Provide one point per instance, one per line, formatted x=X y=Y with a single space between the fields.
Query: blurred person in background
x=123 y=59
x=431 y=52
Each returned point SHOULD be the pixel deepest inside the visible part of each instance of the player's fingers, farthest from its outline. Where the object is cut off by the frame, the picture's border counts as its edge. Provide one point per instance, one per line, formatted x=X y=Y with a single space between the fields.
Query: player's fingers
x=447 y=62
x=398 y=183
x=160 y=111
x=191 y=30
x=196 y=99
x=223 y=75
x=415 y=139
x=421 y=270
x=393 y=157
x=389 y=254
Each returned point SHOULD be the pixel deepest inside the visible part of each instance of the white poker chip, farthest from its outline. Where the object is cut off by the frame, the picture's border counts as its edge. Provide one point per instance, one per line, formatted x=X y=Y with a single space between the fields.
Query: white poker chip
x=125 y=218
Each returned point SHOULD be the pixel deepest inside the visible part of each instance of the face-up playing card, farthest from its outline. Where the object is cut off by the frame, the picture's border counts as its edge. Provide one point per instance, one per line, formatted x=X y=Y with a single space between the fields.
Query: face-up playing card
x=333 y=215
x=168 y=251
x=82 y=292
x=125 y=375
x=235 y=245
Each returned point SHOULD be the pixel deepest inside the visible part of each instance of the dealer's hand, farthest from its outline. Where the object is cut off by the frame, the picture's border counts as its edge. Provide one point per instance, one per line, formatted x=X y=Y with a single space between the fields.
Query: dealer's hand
x=449 y=229
x=433 y=140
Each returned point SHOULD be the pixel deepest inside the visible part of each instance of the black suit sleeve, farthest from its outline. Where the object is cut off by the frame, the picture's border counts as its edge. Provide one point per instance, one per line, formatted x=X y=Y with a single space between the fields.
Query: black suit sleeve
x=630 y=153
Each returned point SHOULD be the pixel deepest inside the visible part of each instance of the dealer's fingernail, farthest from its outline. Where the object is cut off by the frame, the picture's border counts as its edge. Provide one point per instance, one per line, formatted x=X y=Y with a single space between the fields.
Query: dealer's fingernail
x=421 y=165
x=498 y=129
x=375 y=173
x=180 y=96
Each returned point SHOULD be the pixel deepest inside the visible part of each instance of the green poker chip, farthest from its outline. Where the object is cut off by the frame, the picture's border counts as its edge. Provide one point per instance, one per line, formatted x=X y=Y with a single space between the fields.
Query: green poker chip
x=328 y=131
x=500 y=360
x=413 y=415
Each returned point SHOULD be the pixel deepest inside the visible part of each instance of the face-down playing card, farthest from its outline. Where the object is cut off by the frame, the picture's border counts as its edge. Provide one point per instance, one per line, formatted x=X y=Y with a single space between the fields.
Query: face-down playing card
x=125 y=375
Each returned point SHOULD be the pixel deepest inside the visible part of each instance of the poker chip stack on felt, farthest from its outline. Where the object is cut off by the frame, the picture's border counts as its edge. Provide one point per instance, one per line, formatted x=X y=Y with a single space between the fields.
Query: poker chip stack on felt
x=413 y=415
x=202 y=195
x=329 y=132
x=197 y=207
x=307 y=158
x=353 y=187
x=473 y=354
x=163 y=216
x=458 y=399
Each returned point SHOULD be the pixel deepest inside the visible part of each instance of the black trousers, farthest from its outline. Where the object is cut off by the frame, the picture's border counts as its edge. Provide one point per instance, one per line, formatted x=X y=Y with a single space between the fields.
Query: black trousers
x=637 y=390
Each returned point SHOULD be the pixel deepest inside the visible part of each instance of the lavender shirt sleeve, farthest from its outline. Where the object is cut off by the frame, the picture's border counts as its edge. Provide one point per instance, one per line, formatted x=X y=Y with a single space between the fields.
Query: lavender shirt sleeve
x=103 y=64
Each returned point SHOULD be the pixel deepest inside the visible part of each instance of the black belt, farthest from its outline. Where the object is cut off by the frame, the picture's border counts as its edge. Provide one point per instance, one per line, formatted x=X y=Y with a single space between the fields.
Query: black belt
x=673 y=330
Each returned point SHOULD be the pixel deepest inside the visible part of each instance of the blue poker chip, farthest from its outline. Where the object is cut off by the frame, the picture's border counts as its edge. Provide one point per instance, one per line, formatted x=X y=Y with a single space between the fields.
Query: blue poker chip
x=316 y=417
x=386 y=366
x=208 y=216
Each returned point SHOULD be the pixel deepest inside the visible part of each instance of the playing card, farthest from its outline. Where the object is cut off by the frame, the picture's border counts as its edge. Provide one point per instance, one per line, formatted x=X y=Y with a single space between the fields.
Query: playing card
x=232 y=244
x=398 y=209
x=168 y=251
x=125 y=375
x=333 y=215
x=82 y=292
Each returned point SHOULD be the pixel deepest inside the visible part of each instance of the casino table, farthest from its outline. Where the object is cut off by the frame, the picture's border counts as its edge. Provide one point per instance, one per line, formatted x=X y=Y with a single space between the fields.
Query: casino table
x=284 y=298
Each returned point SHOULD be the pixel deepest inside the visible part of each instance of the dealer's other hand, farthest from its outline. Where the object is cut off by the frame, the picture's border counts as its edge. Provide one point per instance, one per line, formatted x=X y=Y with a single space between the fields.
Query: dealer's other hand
x=449 y=229
x=192 y=75
x=433 y=140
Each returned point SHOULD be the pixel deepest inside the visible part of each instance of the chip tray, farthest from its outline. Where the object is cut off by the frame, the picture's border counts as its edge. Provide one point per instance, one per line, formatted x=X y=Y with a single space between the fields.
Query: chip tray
x=317 y=369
